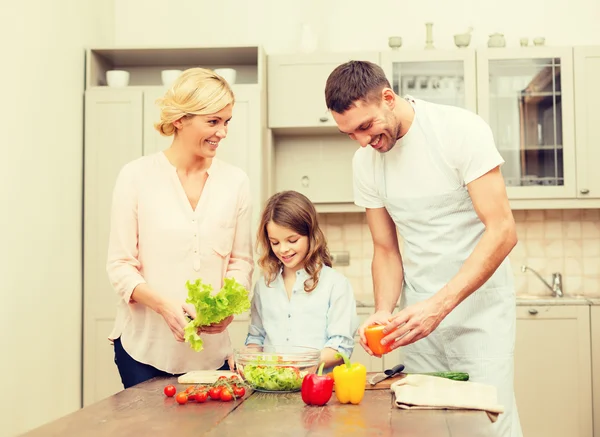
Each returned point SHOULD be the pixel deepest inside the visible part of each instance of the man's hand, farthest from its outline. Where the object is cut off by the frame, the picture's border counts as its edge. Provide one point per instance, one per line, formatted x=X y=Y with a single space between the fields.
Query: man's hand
x=379 y=318
x=415 y=322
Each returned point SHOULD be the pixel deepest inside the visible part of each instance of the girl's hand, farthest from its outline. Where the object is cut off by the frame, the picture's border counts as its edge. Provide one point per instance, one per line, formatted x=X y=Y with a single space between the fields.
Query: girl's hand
x=173 y=314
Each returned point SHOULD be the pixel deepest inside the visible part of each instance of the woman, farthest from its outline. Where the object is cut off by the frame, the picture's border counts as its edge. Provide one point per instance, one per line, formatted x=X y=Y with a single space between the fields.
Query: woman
x=178 y=215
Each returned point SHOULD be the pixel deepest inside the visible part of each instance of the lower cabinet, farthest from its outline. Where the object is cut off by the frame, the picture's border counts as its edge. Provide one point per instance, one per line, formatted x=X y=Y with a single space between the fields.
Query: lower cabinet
x=553 y=371
x=595 y=329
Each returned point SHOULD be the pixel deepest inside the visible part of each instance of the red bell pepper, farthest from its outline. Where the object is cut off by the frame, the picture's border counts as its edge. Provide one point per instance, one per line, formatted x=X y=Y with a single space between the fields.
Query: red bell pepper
x=317 y=388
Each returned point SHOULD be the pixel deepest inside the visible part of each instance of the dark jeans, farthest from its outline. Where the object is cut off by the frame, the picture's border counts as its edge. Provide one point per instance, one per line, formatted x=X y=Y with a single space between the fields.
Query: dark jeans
x=133 y=372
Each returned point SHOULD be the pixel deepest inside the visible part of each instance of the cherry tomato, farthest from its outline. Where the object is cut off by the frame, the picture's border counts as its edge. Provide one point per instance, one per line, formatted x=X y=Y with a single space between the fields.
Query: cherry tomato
x=233 y=378
x=201 y=396
x=190 y=389
x=226 y=395
x=239 y=392
x=215 y=393
x=222 y=377
x=181 y=398
x=170 y=391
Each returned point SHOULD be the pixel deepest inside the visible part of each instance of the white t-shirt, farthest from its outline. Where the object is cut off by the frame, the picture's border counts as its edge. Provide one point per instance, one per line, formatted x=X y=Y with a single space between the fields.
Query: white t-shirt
x=414 y=168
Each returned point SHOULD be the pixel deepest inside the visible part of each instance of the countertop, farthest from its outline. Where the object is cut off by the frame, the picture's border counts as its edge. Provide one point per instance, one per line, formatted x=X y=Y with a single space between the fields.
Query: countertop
x=145 y=411
x=366 y=301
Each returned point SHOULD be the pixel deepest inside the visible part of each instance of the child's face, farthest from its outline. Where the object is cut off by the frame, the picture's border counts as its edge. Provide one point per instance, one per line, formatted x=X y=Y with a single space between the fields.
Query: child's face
x=287 y=245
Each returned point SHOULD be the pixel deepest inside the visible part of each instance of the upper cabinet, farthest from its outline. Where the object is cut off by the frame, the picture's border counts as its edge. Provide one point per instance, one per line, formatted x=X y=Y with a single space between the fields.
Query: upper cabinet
x=587 y=117
x=438 y=76
x=296 y=90
x=526 y=95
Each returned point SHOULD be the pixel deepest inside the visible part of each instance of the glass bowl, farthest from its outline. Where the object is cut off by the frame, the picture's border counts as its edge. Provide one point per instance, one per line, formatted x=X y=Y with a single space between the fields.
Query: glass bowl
x=276 y=368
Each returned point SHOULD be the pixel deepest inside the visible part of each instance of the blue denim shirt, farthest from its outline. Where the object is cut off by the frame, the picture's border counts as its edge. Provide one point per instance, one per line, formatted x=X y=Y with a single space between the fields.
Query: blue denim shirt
x=325 y=317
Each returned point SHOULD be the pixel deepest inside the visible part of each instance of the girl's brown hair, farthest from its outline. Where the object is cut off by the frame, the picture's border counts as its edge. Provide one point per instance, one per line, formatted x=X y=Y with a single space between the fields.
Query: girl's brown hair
x=292 y=210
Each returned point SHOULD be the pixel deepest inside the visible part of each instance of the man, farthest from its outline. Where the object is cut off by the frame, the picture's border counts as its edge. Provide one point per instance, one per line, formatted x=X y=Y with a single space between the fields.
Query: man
x=432 y=172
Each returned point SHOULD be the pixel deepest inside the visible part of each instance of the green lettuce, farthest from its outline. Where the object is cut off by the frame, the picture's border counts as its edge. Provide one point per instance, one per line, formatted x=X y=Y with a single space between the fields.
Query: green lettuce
x=233 y=298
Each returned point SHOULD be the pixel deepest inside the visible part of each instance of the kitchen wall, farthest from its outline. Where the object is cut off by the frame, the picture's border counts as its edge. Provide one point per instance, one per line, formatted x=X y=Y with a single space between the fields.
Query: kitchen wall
x=350 y=24
x=41 y=201
x=564 y=241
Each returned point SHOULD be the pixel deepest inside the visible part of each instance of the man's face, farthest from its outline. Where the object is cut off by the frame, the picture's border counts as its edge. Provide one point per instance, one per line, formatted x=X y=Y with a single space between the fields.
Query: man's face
x=371 y=124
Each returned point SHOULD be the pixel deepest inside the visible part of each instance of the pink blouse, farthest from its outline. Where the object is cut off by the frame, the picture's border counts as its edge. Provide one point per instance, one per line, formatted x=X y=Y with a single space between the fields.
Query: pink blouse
x=157 y=238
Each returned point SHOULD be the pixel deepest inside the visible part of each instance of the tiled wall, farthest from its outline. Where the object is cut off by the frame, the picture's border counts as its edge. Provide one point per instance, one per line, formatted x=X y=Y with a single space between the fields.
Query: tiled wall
x=565 y=241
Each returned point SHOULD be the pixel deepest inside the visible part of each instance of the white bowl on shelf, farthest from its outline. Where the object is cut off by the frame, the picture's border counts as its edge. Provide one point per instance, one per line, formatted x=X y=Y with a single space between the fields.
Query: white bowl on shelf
x=117 y=78
x=169 y=76
x=229 y=74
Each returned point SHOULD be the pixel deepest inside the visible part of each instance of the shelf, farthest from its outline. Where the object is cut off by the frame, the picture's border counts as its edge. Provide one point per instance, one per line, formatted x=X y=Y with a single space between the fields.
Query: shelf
x=145 y=64
x=532 y=148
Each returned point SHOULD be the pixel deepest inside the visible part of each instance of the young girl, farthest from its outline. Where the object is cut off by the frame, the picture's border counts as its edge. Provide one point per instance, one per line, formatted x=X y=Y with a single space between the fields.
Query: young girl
x=300 y=300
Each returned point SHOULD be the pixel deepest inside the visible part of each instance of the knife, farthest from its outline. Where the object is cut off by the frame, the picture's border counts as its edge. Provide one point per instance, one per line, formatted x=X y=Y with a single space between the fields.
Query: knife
x=378 y=377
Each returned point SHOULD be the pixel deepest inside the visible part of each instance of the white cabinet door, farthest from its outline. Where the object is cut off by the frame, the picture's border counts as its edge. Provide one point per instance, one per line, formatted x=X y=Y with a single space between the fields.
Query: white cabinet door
x=113 y=137
x=153 y=141
x=527 y=98
x=296 y=87
x=587 y=115
x=595 y=325
x=320 y=167
x=238 y=330
x=444 y=77
x=243 y=146
x=553 y=371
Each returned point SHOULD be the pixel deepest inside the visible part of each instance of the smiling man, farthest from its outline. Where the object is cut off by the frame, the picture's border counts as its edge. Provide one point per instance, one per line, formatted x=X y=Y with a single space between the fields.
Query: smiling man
x=431 y=172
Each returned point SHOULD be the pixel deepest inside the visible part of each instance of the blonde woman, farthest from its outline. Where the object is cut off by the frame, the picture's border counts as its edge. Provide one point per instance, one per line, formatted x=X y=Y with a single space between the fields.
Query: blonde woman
x=178 y=215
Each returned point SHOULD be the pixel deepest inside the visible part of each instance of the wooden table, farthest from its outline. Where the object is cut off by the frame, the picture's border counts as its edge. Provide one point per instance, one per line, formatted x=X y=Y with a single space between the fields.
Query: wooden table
x=144 y=410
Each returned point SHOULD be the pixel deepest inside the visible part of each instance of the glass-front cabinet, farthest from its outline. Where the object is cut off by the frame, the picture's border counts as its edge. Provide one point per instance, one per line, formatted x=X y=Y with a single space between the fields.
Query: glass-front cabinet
x=446 y=77
x=526 y=95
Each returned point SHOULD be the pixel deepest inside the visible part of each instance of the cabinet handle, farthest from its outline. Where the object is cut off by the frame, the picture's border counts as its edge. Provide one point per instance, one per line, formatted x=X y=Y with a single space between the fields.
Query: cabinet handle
x=584 y=191
x=305 y=181
x=323 y=119
x=533 y=311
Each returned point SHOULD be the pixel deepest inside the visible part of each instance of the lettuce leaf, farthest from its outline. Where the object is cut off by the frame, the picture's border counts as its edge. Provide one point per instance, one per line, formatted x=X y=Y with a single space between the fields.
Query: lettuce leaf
x=233 y=298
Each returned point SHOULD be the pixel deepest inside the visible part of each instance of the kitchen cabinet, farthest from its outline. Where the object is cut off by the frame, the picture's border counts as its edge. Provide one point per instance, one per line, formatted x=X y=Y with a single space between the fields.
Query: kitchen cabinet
x=553 y=370
x=587 y=94
x=238 y=330
x=595 y=337
x=527 y=97
x=296 y=88
x=118 y=129
x=447 y=77
x=318 y=166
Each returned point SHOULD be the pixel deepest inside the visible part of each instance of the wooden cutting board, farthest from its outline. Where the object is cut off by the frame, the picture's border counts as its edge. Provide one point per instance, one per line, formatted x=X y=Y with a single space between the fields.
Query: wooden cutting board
x=203 y=376
x=382 y=385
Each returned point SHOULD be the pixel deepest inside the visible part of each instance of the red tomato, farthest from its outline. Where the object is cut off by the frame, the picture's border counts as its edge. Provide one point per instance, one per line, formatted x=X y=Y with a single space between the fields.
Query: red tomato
x=215 y=393
x=239 y=392
x=190 y=389
x=226 y=395
x=181 y=398
x=170 y=391
x=201 y=396
x=222 y=377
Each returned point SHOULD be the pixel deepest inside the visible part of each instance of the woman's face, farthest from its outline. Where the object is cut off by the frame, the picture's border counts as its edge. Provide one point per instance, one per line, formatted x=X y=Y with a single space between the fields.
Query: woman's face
x=201 y=134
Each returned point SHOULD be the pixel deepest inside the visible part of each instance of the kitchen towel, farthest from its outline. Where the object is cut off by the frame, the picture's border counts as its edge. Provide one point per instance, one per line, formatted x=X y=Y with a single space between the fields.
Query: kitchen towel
x=432 y=392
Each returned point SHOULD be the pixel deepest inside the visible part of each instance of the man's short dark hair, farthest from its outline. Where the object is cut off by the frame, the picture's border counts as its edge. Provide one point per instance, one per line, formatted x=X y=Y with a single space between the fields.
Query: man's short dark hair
x=352 y=81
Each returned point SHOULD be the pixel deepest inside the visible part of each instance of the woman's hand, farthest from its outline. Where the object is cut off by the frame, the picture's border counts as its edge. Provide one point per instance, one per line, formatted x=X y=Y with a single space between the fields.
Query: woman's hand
x=173 y=314
x=217 y=328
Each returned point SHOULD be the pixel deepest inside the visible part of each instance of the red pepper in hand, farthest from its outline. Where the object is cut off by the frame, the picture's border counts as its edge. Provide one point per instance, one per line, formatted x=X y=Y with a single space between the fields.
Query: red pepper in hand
x=317 y=388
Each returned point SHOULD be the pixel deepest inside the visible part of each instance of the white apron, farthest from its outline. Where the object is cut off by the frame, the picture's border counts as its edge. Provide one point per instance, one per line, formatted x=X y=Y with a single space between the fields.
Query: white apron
x=478 y=337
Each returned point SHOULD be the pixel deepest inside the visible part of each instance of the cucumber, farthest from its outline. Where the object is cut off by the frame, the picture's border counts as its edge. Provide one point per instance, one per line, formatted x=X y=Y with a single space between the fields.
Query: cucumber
x=456 y=376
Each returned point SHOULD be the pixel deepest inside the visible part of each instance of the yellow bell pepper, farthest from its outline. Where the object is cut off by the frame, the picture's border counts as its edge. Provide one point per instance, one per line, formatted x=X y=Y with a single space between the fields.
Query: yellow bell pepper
x=350 y=380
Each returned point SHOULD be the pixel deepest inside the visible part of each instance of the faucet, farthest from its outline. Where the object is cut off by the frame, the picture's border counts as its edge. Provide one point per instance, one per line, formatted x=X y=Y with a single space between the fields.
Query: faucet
x=556 y=286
